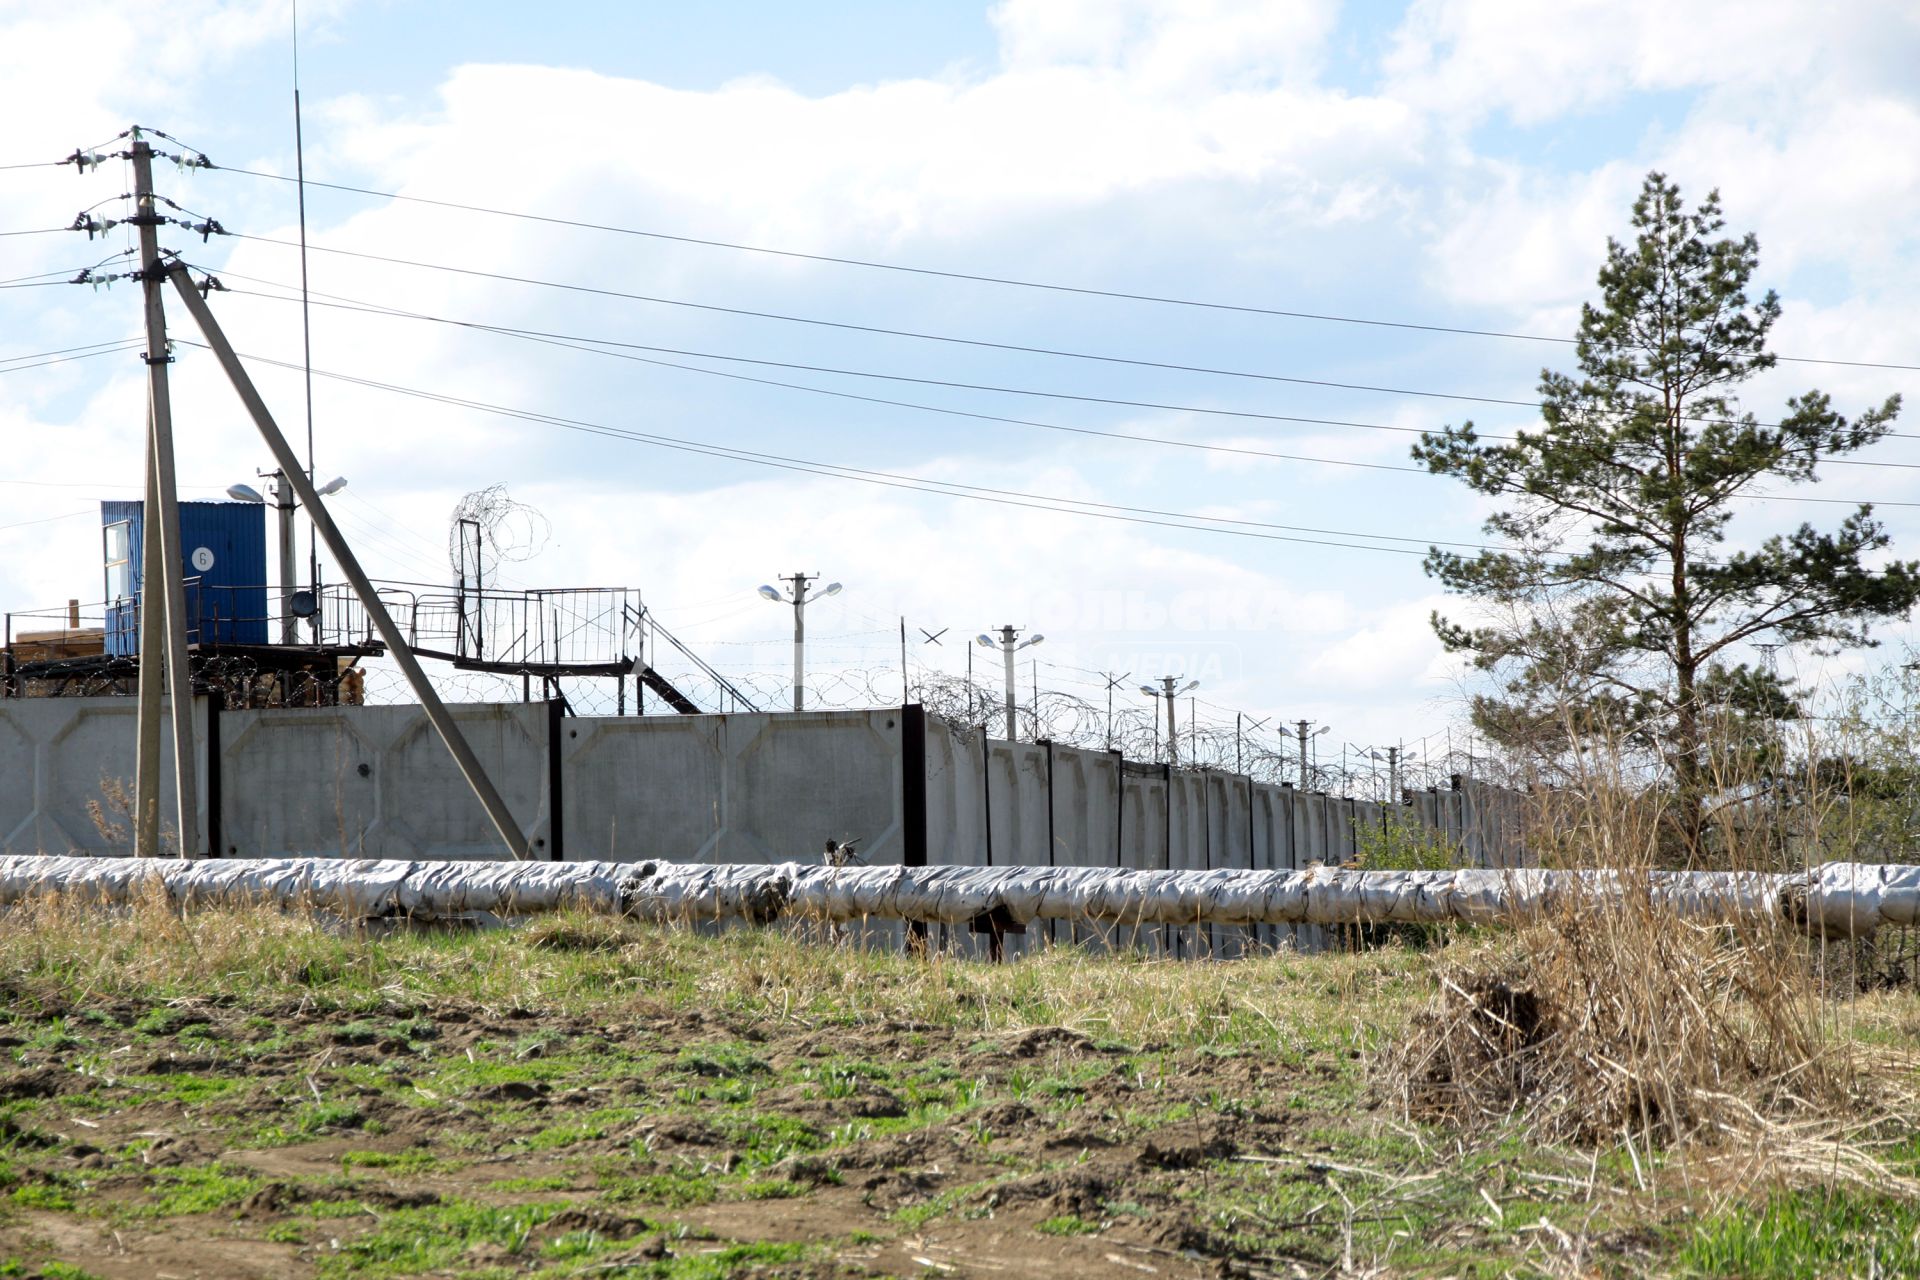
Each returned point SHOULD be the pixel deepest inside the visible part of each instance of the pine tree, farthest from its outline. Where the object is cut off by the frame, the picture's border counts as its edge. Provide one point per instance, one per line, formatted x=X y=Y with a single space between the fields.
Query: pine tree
x=1620 y=613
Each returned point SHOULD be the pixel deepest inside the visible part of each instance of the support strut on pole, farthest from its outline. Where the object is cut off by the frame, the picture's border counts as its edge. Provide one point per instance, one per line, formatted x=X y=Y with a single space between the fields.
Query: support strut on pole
x=397 y=647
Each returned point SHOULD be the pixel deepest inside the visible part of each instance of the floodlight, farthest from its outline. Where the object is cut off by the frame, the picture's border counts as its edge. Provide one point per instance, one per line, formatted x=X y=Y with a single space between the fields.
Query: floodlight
x=333 y=486
x=769 y=593
x=833 y=589
x=984 y=640
x=1149 y=690
x=1191 y=686
x=1031 y=641
x=244 y=493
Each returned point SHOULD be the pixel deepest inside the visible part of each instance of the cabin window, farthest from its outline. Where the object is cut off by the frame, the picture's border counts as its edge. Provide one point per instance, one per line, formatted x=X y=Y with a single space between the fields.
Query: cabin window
x=119 y=539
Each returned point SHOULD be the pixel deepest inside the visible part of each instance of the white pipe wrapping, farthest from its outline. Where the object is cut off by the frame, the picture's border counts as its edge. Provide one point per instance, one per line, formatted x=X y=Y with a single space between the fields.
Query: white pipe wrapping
x=1837 y=898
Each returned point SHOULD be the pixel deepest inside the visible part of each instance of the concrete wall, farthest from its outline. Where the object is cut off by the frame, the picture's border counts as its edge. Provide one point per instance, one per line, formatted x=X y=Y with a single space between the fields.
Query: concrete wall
x=65 y=760
x=376 y=782
x=748 y=787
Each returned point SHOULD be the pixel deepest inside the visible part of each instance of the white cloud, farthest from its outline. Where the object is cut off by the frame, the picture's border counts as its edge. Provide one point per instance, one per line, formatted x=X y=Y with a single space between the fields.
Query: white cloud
x=1194 y=146
x=1471 y=58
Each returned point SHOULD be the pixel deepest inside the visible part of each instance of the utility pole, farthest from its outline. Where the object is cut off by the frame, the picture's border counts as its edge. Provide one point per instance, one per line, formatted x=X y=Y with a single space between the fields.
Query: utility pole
x=1393 y=775
x=799 y=596
x=163 y=630
x=1168 y=692
x=283 y=506
x=1113 y=682
x=1239 y=762
x=1009 y=647
x=349 y=564
x=1301 y=727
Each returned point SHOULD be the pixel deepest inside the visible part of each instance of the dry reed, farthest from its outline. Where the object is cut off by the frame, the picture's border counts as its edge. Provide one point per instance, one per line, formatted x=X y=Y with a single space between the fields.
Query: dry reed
x=1610 y=1021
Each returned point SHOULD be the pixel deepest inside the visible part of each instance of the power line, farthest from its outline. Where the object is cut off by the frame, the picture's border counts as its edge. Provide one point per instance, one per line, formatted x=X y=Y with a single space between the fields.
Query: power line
x=916 y=335
x=1006 y=497
x=119 y=350
x=39 y=275
x=1008 y=281
x=955 y=340
x=71 y=515
x=565 y=338
x=577 y=345
x=40 y=231
x=61 y=351
x=839 y=471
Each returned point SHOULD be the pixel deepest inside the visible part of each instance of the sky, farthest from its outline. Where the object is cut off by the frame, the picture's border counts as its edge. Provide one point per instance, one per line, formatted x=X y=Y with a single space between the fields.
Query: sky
x=1455 y=163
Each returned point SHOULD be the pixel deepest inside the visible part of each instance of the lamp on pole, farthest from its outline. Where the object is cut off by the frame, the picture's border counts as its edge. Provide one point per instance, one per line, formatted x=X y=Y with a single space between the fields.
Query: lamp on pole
x=1170 y=693
x=798 y=595
x=1395 y=758
x=1301 y=727
x=284 y=505
x=1008 y=647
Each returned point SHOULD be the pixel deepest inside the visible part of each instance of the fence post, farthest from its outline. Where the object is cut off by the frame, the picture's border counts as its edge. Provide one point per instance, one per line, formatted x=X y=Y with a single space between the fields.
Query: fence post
x=556 y=782
x=913 y=805
x=1169 y=940
x=993 y=924
x=1050 y=836
x=216 y=703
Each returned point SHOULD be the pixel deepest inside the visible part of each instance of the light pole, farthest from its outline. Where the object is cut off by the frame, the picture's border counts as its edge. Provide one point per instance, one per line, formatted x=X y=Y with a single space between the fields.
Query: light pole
x=798 y=595
x=1301 y=727
x=284 y=504
x=1395 y=758
x=1170 y=693
x=1008 y=648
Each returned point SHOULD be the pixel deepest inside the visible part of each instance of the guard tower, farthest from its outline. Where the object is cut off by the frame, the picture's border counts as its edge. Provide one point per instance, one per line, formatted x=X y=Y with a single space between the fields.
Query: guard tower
x=224 y=548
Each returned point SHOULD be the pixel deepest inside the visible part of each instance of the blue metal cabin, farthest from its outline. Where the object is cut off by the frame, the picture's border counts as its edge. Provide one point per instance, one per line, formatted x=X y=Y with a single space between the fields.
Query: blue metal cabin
x=224 y=545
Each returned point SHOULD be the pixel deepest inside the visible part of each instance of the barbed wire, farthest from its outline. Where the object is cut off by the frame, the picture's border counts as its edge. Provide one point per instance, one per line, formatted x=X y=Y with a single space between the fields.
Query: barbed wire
x=1066 y=719
x=502 y=529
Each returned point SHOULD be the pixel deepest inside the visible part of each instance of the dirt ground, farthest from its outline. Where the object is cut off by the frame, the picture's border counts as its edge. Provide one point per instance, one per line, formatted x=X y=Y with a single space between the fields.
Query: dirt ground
x=203 y=1139
x=252 y=1094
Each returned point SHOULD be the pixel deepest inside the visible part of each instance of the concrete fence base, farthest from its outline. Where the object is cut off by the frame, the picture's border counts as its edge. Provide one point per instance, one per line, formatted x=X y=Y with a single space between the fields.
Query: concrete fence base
x=1838 y=898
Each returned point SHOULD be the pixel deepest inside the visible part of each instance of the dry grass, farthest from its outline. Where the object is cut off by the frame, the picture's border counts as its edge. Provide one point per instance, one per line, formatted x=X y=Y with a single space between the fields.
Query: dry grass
x=1735 y=1053
x=568 y=961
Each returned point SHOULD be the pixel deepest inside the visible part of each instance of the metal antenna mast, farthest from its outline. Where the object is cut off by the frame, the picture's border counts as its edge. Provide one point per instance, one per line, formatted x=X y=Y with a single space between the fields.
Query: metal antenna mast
x=306 y=321
x=163 y=624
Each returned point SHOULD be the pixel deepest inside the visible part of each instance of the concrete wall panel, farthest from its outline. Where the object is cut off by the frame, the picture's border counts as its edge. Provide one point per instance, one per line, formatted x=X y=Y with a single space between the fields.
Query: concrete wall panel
x=64 y=759
x=747 y=787
x=377 y=782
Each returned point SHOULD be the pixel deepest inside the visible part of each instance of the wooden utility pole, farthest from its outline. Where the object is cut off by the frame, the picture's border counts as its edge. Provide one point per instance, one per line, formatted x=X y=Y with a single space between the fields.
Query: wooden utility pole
x=163 y=629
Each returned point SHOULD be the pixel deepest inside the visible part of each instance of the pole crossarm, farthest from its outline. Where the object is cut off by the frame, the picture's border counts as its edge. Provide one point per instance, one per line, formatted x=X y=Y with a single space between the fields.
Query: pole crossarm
x=294 y=474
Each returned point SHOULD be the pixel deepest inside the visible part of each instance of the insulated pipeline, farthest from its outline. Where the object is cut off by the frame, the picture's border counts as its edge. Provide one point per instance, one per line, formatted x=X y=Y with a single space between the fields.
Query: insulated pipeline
x=1837 y=898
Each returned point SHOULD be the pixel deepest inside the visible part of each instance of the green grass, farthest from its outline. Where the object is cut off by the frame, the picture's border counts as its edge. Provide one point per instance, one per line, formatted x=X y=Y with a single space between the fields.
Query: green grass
x=1812 y=1234
x=759 y=1039
x=42 y=1195
x=65 y=1271
x=674 y=1189
x=199 y=1190
x=409 y=1242
x=399 y=1164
